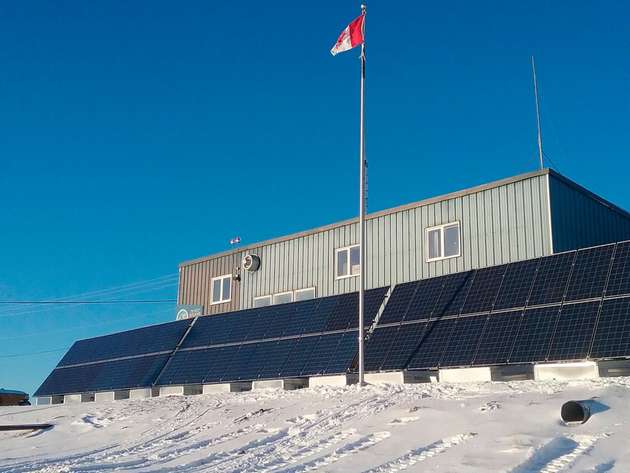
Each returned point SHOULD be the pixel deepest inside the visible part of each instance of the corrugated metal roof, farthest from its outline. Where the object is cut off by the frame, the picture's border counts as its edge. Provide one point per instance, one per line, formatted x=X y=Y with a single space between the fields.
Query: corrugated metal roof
x=451 y=195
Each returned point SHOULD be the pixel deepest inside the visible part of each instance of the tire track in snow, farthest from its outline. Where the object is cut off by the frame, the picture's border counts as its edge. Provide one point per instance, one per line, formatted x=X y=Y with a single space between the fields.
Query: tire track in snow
x=339 y=453
x=559 y=454
x=421 y=454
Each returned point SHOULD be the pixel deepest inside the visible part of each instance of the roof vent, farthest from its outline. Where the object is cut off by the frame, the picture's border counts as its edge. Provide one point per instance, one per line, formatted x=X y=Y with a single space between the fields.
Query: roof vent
x=251 y=262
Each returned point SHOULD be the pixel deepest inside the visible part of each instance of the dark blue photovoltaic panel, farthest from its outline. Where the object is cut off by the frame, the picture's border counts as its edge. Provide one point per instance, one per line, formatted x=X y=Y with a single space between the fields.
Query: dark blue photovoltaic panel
x=434 y=340
x=222 y=357
x=188 y=367
x=307 y=318
x=242 y=366
x=551 y=279
x=404 y=346
x=463 y=341
x=516 y=285
x=484 y=289
x=344 y=355
x=590 y=272
x=346 y=310
x=378 y=345
x=211 y=330
x=373 y=301
x=300 y=354
x=425 y=299
x=612 y=336
x=619 y=280
x=106 y=376
x=154 y=338
x=453 y=294
x=498 y=338
x=273 y=357
x=534 y=335
x=398 y=302
x=324 y=350
x=574 y=331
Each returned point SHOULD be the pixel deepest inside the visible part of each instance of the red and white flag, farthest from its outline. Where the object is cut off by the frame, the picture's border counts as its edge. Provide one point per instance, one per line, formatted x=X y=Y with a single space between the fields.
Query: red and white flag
x=350 y=37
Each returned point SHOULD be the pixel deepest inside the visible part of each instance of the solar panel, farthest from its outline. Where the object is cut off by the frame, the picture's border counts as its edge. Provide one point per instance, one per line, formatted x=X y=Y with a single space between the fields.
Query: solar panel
x=574 y=331
x=612 y=335
x=551 y=279
x=619 y=280
x=152 y=339
x=425 y=299
x=243 y=365
x=404 y=346
x=273 y=358
x=210 y=330
x=516 y=285
x=306 y=319
x=373 y=301
x=187 y=367
x=484 y=289
x=398 y=303
x=344 y=312
x=463 y=341
x=346 y=350
x=378 y=345
x=497 y=340
x=322 y=353
x=590 y=272
x=430 y=349
x=222 y=357
x=534 y=335
x=453 y=294
x=112 y=375
x=300 y=354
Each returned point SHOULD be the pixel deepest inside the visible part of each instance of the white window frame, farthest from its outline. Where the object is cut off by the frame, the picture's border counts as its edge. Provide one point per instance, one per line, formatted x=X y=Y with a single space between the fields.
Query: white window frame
x=295 y=293
x=441 y=229
x=222 y=301
x=347 y=249
x=282 y=294
x=268 y=296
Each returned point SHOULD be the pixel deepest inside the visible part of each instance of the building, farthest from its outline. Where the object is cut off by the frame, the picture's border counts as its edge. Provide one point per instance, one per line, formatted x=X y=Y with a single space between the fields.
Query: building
x=514 y=219
x=10 y=397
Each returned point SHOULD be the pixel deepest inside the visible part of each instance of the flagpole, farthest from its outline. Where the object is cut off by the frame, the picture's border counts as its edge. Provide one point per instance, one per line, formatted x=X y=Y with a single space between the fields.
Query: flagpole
x=362 y=212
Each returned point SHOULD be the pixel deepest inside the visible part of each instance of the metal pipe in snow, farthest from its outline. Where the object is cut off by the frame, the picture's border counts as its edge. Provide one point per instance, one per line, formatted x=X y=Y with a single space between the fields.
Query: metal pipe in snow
x=576 y=412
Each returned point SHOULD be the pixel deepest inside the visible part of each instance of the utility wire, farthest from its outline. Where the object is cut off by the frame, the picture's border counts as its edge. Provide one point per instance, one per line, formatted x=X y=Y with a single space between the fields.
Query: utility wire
x=130 y=301
x=16 y=355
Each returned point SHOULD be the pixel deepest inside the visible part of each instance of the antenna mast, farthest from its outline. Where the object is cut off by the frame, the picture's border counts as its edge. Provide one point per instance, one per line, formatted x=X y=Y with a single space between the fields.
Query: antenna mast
x=540 y=150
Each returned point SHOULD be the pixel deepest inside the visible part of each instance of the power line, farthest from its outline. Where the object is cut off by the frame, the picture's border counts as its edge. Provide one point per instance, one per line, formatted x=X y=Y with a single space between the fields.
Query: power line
x=131 y=301
x=16 y=355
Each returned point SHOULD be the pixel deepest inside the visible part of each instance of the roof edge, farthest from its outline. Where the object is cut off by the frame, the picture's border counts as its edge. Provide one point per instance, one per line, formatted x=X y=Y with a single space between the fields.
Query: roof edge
x=380 y=213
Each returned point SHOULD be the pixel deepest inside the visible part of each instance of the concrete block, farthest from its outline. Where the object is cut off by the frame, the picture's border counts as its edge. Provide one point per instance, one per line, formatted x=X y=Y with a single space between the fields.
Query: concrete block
x=465 y=375
x=141 y=393
x=333 y=380
x=44 y=400
x=106 y=396
x=236 y=387
x=72 y=399
x=512 y=372
x=285 y=384
x=171 y=390
x=613 y=368
x=399 y=377
x=87 y=397
x=566 y=371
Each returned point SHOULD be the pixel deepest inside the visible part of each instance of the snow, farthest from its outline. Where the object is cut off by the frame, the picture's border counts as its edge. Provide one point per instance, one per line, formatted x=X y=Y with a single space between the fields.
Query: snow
x=479 y=427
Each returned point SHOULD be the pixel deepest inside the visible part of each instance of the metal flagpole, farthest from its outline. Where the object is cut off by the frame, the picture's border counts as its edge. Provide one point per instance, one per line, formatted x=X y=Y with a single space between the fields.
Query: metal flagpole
x=540 y=151
x=362 y=210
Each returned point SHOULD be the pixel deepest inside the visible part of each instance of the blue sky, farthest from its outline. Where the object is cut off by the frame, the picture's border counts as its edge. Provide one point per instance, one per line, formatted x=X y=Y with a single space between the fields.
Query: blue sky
x=135 y=135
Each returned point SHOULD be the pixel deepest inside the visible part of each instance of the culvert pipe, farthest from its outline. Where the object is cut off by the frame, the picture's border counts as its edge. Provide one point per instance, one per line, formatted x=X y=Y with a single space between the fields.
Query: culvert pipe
x=576 y=412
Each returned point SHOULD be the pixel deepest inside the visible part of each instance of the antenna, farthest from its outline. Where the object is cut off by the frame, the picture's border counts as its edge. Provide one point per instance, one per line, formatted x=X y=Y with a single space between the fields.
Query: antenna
x=540 y=150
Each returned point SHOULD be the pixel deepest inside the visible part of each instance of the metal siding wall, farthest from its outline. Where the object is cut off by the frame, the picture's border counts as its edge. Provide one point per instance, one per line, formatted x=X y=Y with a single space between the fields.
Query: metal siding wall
x=498 y=225
x=580 y=221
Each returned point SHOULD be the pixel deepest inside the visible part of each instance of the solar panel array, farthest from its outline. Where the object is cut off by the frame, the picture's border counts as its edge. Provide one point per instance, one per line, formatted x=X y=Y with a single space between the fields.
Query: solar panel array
x=569 y=306
x=317 y=336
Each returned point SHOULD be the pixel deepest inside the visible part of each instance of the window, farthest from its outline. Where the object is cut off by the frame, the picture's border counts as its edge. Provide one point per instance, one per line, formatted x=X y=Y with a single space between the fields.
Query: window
x=304 y=294
x=283 y=298
x=348 y=262
x=221 y=289
x=443 y=241
x=262 y=301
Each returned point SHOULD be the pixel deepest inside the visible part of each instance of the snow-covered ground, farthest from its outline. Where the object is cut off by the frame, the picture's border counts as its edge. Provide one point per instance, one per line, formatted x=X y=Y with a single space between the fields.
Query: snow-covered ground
x=486 y=427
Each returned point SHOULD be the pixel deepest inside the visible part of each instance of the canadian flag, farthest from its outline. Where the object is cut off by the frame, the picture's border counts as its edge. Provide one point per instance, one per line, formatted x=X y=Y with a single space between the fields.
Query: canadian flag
x=350 y=37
